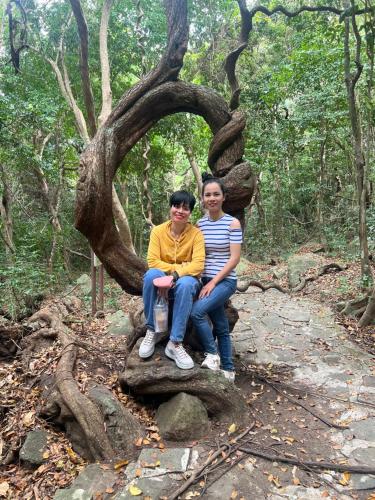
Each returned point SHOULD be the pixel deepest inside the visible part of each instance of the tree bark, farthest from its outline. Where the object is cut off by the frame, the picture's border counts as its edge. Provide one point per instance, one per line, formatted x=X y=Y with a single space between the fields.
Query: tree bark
x=6 y=214
x=121 y=220
x=195 y=168
x=104 y=63
x=84 y=64
x=351 y=80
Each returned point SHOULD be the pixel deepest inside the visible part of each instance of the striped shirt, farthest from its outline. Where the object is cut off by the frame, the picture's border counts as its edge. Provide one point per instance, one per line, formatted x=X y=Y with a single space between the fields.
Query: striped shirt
x=217 y=239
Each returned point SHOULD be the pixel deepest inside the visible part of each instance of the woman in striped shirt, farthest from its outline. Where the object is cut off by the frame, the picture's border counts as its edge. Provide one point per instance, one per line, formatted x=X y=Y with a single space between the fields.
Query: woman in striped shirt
x=223 y=238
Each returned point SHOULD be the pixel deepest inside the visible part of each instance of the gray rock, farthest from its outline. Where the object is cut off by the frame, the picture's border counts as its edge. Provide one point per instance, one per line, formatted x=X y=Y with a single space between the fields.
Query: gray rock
x=120 y=324
x=169 y=460
x=154 y=487
x=360 y=482
x=123 y=429
x=182 y=417
x=84 y=282
x=369 y=381
x=279 y=273
x=364 y=456
x=299 y=264
x=294 y=314
x=92 y=481
x=34 y=447
x=364 y=429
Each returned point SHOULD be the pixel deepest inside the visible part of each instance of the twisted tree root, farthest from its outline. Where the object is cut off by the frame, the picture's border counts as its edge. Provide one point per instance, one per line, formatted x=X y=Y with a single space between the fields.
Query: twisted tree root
x=82 y=408
x=251 y=282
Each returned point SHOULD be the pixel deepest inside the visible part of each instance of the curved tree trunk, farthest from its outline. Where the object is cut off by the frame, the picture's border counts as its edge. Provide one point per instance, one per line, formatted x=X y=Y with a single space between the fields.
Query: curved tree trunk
x=99 y=162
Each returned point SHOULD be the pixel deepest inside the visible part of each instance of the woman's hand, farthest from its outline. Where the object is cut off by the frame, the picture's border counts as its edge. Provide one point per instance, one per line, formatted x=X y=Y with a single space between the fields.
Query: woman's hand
x=207 y=289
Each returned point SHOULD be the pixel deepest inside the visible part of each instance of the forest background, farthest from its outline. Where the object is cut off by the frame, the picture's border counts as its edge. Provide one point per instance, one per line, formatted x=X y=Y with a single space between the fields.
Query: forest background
x=300 y=138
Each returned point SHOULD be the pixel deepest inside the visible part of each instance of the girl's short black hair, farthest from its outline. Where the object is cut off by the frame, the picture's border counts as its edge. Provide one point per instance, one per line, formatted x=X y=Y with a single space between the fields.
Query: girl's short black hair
x=209 y=179
x=182 y=198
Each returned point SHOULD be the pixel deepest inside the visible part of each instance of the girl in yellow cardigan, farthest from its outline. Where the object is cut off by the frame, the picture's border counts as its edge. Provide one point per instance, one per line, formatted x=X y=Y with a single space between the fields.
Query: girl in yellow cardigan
x=176 y=248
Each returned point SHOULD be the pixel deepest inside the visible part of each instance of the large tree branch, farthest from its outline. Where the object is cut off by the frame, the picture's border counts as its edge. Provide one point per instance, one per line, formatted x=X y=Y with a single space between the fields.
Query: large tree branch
x=100 y=160
x=170 y=64
x=84 y=65
x=104 y=63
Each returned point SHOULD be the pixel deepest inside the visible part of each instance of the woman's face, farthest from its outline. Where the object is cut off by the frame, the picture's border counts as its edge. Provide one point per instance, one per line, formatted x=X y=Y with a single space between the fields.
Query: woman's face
x=213 y=196
x=180 y=213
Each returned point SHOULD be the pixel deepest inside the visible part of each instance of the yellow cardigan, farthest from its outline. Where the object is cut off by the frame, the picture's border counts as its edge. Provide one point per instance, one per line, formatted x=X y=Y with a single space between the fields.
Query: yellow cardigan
x=186 y=255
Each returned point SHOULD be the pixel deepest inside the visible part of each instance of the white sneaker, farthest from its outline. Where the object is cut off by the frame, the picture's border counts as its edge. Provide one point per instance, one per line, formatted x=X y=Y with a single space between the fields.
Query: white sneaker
x=147 y=347
x=179 y=355
x=229 y=375
x=211 y=361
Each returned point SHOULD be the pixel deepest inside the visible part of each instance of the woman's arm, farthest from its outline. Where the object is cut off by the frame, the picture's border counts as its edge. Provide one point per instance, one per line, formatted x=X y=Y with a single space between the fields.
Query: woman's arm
x=235 y=255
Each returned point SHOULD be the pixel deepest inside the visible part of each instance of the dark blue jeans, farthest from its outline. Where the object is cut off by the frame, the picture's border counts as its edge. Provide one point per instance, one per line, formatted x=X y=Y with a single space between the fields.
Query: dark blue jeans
x=182 y=294
x=213 y=307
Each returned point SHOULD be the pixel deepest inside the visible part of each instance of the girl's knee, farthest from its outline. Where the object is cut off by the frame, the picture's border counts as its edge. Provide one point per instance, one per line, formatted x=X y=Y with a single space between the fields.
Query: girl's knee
x=151 y=274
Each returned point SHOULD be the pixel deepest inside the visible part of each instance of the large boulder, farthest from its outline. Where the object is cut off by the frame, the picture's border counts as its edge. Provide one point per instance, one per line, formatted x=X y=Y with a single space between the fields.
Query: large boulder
x=120 y=324
x=183 y=417
x=299 y=264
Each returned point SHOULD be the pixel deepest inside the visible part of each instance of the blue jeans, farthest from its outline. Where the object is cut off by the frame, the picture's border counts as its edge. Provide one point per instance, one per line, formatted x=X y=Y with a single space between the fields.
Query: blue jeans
x=213 y=307
x=182 y=294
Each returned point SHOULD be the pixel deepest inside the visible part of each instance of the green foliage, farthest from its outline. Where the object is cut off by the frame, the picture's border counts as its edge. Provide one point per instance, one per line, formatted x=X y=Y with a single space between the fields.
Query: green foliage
x=24 y=281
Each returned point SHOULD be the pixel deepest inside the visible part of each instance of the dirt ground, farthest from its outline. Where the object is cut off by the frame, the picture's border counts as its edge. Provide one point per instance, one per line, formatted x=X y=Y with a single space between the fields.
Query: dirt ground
x=280 y=424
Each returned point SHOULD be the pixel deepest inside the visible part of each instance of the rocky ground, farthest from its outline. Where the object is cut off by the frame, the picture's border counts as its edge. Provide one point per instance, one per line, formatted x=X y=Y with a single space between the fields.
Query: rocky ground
x=309 y=390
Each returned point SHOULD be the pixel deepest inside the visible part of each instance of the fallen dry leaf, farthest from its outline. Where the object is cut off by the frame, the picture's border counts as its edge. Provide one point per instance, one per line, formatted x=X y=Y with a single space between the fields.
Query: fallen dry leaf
x=234 y=494
x=134 y=490
x=28 y=418
x=120 y=464
x=4 y=488
x=344 y=481
x=192 y=494
x=232 y=428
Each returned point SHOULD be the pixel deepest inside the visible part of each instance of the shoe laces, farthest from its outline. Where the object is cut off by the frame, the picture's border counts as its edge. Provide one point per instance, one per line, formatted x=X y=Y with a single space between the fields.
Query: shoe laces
x=180 y=350
x=149 y=338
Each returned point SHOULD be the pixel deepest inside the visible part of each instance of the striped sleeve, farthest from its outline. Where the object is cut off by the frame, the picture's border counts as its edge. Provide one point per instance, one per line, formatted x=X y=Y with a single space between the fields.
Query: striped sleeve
x=235 y=235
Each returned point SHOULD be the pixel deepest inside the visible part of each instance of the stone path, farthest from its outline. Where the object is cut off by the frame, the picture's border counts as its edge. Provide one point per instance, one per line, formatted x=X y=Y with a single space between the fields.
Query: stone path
x=300 y=338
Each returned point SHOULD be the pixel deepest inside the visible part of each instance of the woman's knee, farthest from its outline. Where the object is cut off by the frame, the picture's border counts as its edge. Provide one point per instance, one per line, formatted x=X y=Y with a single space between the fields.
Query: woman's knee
x=187 y=283
x=197 y=312
x=151 y=274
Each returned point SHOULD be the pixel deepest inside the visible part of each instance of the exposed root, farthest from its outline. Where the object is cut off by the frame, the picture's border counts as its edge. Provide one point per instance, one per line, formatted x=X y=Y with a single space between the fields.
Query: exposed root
x=247 y=281
x=322 y=270
x=82 y=408
x=353 y=308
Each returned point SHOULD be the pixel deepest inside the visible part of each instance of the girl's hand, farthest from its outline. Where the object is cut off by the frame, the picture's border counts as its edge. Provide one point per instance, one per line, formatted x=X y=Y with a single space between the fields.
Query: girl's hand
x=207 y=289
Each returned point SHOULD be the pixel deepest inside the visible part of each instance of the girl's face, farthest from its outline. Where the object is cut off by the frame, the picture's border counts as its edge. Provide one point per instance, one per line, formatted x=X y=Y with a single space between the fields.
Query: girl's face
x=179 y=213
x=213 y=196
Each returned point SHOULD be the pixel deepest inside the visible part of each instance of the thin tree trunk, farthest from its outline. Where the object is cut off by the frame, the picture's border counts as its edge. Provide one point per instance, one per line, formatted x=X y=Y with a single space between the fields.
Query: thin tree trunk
x=319 y=205
x=195 y=168
x=351 y=80
x=146 y=178
x=121 y=220
x=6 y=214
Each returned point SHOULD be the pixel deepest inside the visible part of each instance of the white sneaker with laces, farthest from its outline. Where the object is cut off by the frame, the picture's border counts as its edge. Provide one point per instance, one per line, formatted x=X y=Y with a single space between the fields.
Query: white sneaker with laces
x=147 y=347
x=211 y=361
x=179 y=355
x=229 y=375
